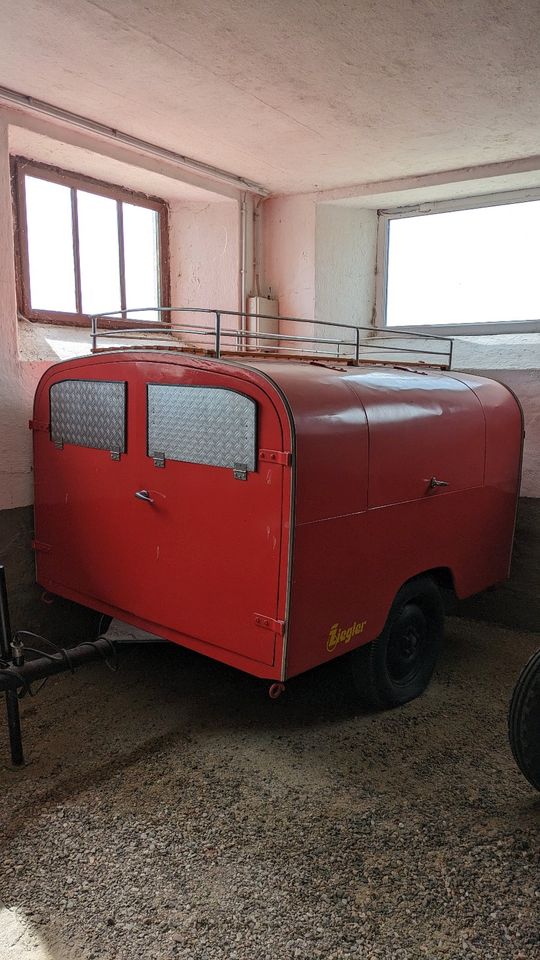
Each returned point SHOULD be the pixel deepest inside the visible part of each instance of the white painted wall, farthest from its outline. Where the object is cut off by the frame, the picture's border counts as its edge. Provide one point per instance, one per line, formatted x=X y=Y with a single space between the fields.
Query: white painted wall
x=288 y=229
x=345 y=253
x=17 y=380
x=205 y=256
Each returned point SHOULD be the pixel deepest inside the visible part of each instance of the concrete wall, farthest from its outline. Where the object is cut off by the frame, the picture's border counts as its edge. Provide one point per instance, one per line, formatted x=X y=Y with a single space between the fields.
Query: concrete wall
x=205 y=254
x=345 y=255
x=288 y=270
x=17 y=380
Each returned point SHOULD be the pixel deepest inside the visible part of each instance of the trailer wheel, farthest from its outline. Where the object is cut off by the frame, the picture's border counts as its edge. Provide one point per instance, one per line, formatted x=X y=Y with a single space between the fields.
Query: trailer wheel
x=396 y=667
x=524 y=721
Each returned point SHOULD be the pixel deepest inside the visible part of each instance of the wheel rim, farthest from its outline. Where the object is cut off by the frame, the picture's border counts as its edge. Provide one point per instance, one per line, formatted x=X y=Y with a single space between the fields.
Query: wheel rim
x=407 y=644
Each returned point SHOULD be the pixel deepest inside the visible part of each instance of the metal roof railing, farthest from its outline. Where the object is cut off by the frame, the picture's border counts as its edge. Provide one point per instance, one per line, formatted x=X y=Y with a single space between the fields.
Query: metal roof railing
x=356 y=344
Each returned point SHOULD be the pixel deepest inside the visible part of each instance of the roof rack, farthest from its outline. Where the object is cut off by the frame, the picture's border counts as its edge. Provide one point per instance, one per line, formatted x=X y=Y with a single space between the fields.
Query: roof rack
x=218 y=337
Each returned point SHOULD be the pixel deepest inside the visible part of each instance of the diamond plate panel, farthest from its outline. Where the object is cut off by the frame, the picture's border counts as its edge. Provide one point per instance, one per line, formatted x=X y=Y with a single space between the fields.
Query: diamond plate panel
x=89 y=413
x=206 y=425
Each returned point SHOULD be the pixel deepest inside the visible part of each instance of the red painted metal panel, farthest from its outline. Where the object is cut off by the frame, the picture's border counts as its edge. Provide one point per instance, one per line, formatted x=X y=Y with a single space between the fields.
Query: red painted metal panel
x=348 y=570
x=418 y=432
x=200 y=560
x=349 y=563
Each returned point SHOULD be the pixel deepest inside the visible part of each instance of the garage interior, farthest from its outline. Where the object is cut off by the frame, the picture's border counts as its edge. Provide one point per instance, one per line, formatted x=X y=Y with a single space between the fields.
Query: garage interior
x=171 y=808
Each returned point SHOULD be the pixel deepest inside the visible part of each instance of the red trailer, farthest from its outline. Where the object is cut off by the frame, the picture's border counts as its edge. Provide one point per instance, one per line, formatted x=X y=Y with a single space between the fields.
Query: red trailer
x=276 y=513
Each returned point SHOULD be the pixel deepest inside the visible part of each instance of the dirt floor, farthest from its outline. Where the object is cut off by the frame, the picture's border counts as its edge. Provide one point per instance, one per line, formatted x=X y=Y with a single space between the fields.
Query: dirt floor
x=172 y=810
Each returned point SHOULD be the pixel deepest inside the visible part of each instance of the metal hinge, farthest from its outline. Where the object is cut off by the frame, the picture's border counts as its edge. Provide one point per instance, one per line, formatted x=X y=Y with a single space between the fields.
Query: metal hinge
x=276 y=626
x=38 y=425
x=159 y=459
x=240 y=471
x=276 y=456
x=41 y=547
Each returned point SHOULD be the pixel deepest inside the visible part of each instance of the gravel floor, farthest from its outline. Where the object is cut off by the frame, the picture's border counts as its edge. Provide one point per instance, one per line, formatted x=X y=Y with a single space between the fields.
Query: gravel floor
x=173 y=811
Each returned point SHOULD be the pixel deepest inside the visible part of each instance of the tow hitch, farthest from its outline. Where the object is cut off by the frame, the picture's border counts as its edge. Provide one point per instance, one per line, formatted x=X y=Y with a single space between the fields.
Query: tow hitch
x=18 y=673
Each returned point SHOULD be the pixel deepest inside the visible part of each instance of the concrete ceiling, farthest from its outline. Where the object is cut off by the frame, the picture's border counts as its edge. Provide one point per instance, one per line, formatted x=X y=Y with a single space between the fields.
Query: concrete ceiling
x=294 y=95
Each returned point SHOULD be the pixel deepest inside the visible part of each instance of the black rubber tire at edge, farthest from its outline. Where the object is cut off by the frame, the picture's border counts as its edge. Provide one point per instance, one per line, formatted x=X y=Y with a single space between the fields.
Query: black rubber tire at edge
x=524 y=721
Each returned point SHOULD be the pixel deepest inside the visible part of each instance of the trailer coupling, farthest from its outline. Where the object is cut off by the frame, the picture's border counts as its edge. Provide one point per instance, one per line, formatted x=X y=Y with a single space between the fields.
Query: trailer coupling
x=18 y=673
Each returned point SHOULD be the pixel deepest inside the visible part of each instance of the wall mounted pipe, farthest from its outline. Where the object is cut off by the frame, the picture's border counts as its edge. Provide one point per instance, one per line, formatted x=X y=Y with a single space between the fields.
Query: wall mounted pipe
x=13 y=97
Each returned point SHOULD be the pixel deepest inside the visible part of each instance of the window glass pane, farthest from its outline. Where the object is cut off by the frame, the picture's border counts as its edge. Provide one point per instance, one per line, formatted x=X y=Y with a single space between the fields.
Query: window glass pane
x=98 y=246
x=50 y=245
x=141 y=258
x=465 y=266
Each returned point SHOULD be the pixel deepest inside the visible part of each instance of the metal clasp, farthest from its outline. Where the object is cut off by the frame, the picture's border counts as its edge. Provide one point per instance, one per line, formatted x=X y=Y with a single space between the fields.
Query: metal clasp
x=143 y=495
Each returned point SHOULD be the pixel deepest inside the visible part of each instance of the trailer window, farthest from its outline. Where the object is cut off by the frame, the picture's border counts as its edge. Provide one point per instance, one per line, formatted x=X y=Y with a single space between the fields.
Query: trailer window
x=89 y=413
x=206 y=425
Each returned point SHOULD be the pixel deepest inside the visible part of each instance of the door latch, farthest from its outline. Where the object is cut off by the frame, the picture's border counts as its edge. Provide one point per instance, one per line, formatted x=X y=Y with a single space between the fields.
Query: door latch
x=437 y=483
x=144 y=495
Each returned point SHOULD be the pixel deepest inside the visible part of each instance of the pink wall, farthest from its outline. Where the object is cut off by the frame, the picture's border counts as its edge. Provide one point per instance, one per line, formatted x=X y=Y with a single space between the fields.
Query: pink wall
x=288 y=225
x=17 y=379
x=205 y=257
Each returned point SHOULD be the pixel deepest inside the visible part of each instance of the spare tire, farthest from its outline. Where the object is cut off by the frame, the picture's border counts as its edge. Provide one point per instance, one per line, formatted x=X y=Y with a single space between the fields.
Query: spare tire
x=524 y=721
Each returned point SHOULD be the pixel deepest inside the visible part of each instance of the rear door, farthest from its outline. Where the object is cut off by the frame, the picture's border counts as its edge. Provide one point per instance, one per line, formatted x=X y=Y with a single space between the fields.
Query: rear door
x=151 y=498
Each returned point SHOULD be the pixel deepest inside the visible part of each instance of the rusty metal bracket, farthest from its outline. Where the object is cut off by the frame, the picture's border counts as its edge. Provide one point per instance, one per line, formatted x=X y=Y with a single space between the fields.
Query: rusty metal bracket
x=276 y=456
x=41 y=547
x=276 y=626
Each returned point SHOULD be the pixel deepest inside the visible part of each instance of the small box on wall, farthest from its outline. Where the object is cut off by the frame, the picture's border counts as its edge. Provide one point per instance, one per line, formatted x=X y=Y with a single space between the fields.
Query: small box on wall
x=263 y=318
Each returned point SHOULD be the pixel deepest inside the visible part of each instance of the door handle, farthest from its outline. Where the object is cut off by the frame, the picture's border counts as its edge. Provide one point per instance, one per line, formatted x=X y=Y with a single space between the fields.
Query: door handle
x=144 y=495
x=437 y=483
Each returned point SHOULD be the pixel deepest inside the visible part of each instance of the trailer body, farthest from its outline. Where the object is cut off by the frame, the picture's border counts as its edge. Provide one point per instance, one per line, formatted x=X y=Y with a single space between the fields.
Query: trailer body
x=265 y=512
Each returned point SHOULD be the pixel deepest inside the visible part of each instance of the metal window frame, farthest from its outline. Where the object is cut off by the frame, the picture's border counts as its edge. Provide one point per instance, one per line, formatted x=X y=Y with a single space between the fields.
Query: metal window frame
x=23 y=166
x=482 y=328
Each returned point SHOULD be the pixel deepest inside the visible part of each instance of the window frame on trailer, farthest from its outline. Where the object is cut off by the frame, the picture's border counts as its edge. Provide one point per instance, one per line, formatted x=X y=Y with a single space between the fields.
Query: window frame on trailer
x=22 y=166
x=483 y=328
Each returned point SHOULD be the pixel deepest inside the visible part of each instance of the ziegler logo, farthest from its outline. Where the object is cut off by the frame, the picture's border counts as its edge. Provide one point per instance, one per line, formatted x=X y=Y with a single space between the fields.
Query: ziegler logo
x=345 y=635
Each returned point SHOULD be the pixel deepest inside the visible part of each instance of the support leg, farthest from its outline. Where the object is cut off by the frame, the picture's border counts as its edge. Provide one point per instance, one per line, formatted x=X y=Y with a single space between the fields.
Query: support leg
x=12 y=702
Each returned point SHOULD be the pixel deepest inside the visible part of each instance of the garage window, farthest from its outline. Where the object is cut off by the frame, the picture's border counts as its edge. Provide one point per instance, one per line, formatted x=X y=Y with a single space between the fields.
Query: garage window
x=461 y=267
x=85 y=247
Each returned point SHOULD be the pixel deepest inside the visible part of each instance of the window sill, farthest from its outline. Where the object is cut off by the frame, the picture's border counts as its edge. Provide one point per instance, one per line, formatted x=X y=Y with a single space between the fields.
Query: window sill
x=510 y=351
x=471 y=329
x=47 y=341
x=52 y=343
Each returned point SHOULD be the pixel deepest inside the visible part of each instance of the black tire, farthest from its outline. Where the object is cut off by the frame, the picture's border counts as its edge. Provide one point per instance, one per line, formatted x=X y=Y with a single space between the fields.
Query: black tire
x=524 y=721
x=397 y=666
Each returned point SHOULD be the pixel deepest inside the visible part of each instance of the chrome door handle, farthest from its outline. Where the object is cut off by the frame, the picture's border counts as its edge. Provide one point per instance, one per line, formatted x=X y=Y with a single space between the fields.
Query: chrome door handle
x=437 y=483
x=144 y=495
